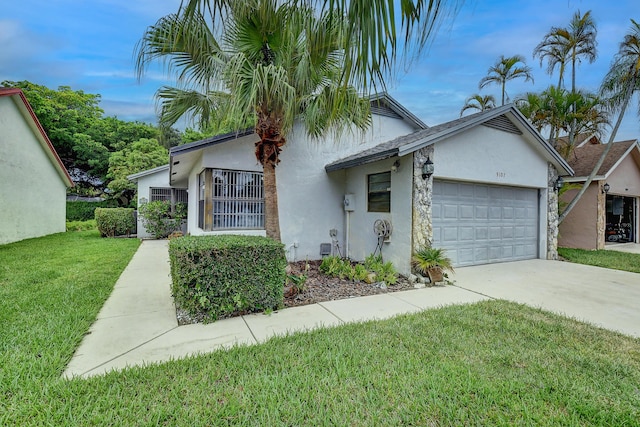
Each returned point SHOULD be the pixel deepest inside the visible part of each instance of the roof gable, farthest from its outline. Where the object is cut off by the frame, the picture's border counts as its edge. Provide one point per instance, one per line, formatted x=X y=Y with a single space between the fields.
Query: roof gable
x=21 y=102
x=506 y=118
x=585 y=157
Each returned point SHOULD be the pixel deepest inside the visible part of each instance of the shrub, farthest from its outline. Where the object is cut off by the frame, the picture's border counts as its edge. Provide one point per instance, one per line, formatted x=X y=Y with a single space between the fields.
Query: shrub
x=384 y=271
x=335 y=266
x=81 y=225
x=85 y=211
x=221 y=276
x=158 y=220
x=115 y=221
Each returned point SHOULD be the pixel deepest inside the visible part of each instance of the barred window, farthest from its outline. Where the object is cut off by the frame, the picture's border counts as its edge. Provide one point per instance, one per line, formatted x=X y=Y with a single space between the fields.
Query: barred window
x=237 y=199
x=180 y=195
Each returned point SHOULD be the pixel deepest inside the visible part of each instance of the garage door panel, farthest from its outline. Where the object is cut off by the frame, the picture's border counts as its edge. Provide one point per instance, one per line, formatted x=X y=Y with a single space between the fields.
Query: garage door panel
x=485 y=223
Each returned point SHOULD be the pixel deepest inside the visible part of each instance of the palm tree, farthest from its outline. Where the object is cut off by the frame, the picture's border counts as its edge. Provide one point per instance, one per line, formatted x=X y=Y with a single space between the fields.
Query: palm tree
x=478 y=102
x=269 y=62
x=618 y=86
x=555 y=51
x=504 y=70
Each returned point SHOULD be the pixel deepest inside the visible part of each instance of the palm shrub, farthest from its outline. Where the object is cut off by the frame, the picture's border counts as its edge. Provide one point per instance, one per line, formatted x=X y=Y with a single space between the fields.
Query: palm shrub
x=427 y=260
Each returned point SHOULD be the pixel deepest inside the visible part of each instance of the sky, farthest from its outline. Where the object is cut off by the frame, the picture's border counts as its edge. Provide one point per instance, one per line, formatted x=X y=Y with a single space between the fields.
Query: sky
x=89 y=45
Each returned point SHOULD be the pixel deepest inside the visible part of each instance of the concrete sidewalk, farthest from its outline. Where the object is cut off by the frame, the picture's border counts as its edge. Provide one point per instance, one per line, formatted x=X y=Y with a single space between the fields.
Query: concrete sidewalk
x=138 y=326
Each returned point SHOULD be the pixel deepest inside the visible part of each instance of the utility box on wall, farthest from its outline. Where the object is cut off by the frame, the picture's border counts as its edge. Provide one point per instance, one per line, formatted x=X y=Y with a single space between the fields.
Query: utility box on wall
x=349 y=202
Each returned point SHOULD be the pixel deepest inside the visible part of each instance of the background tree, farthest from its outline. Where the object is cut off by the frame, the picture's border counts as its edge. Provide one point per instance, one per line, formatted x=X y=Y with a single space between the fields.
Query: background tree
x=504 y=70
x=479 y=103
x=141 y=155
x=618 y=86
x=269 y=63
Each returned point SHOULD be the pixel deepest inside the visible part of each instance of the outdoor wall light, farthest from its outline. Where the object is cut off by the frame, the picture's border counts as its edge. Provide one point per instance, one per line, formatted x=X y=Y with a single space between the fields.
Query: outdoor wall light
x=605 y=188
x=427 y=169
x=395 y=166
x=558 y=184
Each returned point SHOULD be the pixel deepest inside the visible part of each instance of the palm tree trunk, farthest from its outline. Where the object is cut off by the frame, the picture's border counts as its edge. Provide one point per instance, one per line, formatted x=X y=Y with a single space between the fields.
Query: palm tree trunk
x=612 y=137
x=272 y=220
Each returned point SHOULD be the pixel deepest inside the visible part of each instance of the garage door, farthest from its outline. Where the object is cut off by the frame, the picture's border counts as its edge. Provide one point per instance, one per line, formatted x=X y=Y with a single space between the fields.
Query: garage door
x=481 y=224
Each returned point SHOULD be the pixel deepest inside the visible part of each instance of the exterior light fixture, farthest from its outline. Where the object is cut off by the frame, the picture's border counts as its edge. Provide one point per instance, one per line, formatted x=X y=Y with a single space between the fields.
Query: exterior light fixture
x=395 y=166
x=427 y=169
x=558 y=184
x=605 y=188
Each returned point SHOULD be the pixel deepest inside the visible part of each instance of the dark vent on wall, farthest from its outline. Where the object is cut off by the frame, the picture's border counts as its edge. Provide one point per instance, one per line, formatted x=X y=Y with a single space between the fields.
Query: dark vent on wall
x=504 y=124
x=383 y=109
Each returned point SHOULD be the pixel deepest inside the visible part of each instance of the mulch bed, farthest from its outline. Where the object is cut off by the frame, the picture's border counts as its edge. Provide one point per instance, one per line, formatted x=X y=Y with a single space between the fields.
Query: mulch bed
x=319 y=288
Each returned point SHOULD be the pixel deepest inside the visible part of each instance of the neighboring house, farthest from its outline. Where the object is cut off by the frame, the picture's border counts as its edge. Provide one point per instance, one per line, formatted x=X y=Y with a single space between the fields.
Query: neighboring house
x=490 y=199
x=33 y=180
x=608 y=211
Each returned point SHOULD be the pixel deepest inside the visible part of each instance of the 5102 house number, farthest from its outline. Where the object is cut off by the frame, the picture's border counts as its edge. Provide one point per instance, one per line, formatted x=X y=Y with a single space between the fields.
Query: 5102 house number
x=501 y=174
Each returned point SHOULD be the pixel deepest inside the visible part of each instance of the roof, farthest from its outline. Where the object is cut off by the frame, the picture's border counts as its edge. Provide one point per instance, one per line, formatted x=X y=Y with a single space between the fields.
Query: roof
x=136 y=176
x=182 y=156
x=506 y=118
x=18 y=96
x=585 y=157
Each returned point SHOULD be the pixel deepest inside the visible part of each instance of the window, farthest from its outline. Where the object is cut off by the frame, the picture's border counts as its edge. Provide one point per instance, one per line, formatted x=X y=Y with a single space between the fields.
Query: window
x=379 y=192
x=177 y=194
x=231 y=200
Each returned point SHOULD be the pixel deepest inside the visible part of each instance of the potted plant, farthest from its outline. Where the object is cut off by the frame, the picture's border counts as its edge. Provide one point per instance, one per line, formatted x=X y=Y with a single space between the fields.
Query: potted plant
x=431 y=262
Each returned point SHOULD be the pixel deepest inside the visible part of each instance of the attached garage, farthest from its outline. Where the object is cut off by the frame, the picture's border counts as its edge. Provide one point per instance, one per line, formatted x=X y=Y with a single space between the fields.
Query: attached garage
x=480 y=224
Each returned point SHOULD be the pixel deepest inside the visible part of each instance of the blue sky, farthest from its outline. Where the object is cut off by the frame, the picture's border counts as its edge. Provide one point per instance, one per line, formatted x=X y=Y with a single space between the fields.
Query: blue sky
x=89 y=45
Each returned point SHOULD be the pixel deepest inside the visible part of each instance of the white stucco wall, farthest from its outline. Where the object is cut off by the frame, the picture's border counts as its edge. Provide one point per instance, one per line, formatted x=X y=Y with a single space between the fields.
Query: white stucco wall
x=491 y=156
x=362 y=240
x=310 y=200
x=32 y=192
x=158 y=179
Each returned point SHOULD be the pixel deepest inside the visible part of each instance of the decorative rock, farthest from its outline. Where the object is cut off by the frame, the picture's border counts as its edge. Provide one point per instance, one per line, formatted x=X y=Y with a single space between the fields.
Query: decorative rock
x=413 y=278
x=419 y=285
x=381 y=285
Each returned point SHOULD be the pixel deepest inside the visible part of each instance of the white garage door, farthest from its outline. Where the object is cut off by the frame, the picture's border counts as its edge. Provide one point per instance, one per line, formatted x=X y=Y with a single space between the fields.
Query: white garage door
x=481 y=224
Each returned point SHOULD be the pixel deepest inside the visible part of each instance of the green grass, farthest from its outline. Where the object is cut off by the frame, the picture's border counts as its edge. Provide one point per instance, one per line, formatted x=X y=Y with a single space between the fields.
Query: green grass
x=602 y=258
x=82 y=225
x=492 y=363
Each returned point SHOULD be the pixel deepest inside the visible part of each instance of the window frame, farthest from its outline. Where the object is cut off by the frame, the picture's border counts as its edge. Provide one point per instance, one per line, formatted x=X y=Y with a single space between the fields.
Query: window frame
x=372 y=206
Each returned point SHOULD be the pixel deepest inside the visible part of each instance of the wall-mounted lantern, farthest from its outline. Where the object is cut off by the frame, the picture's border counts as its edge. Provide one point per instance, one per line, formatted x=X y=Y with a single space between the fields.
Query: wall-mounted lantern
x=558 y=184
x=605 y=188
x=427 y=169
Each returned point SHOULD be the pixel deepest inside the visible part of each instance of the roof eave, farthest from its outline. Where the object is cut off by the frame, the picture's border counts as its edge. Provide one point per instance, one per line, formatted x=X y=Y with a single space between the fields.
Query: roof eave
x=361 y=160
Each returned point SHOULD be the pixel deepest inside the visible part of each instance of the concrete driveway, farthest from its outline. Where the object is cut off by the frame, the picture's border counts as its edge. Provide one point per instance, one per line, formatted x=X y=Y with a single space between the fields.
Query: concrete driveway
x=603 y=297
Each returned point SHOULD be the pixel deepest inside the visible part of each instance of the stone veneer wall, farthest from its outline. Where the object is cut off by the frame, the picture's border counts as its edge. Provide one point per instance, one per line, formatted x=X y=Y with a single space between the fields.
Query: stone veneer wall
x=552 y=215
x=601 y=221
x=422 y=235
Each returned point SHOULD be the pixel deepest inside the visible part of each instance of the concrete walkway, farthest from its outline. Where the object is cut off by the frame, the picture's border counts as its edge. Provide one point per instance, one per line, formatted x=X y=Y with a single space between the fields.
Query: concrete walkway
x=137 y=325
x=633 y=248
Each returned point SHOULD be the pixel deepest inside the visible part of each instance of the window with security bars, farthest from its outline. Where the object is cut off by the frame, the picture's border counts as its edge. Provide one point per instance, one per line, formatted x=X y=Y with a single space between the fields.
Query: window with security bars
x=379 y=192
x=180 y=195
x=237 y=199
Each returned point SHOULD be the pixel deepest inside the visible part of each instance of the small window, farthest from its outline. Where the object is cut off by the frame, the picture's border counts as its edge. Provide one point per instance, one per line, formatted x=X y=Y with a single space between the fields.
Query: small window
x=379 y=192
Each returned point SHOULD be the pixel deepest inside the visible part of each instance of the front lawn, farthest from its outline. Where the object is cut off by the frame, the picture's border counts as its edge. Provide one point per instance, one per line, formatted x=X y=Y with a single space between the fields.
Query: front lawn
x=492 y=363
x=602 y=258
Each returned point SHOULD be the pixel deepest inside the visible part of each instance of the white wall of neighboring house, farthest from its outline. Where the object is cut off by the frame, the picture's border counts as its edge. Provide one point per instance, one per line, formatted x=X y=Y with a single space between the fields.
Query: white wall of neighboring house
x=32 y=192
x=486 y=155
x=159 y=179
x=310 y=199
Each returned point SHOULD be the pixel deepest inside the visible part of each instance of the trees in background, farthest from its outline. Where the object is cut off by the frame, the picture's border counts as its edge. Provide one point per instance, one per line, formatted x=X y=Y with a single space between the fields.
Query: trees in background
x=86 y=140
x=504 y=70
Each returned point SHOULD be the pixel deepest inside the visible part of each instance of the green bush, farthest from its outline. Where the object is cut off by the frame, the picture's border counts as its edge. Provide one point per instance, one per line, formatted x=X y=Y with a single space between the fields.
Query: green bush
x=222 y=276
x=115 y=221
x=335 y=266
x=85 y=211
x=157 y=218
x=82 y=225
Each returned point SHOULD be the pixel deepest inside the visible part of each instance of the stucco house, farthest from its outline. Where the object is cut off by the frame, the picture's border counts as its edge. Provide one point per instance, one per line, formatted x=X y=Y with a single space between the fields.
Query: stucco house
x=33 y=180
x=608 y=211
x=490 y=198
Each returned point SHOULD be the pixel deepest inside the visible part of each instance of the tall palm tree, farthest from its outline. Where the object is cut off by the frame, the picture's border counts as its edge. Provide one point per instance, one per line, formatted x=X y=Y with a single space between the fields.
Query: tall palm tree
x=478 y=102
x=555 y=52
x=270 y=62
x=504 y=70
x=618 y=86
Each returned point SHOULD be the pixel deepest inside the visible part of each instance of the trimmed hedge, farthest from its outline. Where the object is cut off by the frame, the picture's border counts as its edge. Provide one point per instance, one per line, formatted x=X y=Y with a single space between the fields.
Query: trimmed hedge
x=85 y=211
x=113 y=222
x=222 y=276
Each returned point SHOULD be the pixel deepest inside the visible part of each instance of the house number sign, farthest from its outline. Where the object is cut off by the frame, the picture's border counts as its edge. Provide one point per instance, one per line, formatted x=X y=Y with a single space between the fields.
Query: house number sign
x=501 y=174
